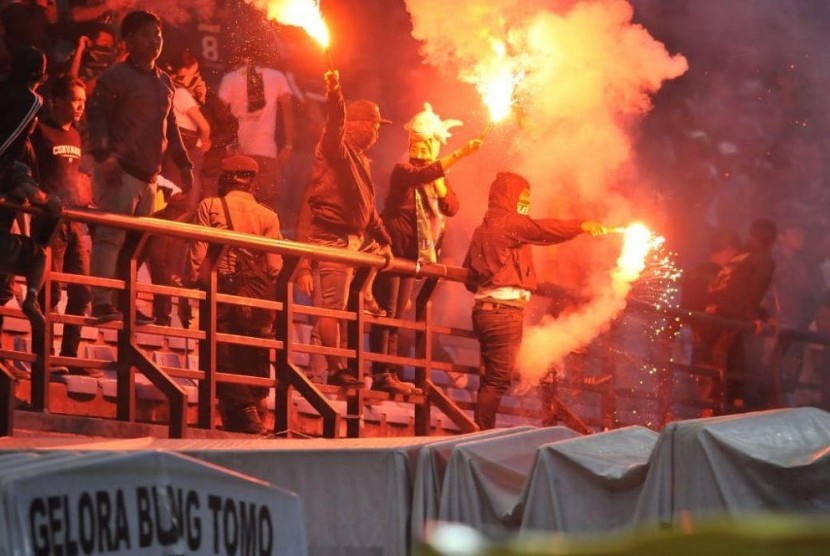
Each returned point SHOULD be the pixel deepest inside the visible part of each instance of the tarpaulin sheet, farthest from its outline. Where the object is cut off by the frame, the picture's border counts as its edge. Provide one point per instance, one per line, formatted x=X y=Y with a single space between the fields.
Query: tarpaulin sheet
x=485 y=478
x=741 y=464
x=586 y=484
x=429 y=475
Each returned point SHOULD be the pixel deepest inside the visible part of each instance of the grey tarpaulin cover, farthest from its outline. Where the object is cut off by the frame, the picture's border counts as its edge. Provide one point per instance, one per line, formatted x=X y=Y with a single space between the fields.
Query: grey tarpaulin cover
x=767 y=461
x=357 y=493
x=429 y=475
x=484 y=478
x=590 y=483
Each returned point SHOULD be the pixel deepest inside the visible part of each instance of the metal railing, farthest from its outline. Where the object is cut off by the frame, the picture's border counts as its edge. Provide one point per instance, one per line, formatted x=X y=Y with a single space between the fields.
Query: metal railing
x=288 y=375
x=284 y=348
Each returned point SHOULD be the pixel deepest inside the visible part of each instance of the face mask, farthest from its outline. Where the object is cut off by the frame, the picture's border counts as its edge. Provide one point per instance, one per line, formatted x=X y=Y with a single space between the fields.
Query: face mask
x=101 y=55
x=523 y=204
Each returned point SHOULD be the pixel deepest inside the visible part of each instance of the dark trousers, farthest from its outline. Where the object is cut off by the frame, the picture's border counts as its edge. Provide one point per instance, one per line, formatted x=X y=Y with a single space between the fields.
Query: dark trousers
x=739 y=354
x=70 y=253
x=392 y=294
x=499 y=330
x=239 y=359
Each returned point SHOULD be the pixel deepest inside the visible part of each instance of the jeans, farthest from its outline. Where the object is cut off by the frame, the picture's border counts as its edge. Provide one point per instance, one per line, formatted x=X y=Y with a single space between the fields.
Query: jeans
x=129 y=196
x=499 y=330
x=70 y=254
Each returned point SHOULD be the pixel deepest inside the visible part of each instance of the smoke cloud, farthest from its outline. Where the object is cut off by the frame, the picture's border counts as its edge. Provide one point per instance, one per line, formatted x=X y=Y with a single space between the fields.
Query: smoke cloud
x=587 y=74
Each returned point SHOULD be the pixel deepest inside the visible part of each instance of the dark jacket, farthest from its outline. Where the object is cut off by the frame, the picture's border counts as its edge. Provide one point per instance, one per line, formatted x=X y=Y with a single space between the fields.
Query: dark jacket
x=741 y=285
x=17 y=120
x=400 y=215
x=130 y=115
x=500 y=253
x=340 y=197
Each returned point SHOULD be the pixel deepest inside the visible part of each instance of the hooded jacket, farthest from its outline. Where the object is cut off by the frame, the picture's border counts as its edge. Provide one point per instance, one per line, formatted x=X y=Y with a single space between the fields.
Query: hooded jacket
x=500 y=254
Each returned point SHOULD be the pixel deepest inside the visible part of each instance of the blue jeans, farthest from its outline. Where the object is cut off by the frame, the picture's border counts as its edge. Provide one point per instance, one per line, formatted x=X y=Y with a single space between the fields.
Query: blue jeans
x=499 y=330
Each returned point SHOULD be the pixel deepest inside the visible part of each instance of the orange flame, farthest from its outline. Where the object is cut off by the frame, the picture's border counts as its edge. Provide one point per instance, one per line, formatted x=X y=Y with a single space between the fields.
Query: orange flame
x=299 y=13
x=638 y=242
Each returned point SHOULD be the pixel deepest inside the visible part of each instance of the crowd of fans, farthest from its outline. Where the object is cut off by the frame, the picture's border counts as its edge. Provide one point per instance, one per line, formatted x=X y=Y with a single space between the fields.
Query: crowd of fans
x=99 y=116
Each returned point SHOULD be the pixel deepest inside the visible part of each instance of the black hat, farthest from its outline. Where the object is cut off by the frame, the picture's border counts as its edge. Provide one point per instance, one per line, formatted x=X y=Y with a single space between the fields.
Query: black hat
x=28 y=64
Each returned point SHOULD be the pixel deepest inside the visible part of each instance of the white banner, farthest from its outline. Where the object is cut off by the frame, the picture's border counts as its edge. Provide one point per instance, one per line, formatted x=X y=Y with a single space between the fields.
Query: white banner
x=143 y=503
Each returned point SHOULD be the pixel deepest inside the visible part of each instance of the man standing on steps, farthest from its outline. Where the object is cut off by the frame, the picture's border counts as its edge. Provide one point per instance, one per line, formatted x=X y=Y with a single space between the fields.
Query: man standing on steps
x=244 y=273
x=57 y=146
x=338 y=210
x=501 y=261
x=131 y=124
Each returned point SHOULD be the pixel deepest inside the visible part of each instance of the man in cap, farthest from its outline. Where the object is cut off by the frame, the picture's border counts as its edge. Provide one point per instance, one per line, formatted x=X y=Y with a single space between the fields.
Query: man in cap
x=338 y=210
x=241 y=272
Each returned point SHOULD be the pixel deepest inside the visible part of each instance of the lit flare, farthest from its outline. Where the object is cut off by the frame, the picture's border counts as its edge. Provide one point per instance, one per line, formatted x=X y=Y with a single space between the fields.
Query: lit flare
x=638 y=241
x=299 y=13
x=496 y=82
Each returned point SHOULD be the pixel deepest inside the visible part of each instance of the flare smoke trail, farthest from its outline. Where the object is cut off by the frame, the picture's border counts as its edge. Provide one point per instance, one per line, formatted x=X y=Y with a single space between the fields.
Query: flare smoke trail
x=587 y=76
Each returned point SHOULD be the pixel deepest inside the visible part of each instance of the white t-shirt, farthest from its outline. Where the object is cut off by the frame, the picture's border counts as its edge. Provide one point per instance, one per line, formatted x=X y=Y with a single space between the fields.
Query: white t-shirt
x=183 y=101
x=256 y=129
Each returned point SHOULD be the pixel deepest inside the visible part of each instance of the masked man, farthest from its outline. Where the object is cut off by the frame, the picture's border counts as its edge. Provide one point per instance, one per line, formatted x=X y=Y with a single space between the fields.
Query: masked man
x=420 y=199
x=501 y=261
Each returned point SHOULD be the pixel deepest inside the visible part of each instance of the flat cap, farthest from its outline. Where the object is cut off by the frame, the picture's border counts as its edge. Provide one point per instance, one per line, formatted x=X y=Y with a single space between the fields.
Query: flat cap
x=239 y=163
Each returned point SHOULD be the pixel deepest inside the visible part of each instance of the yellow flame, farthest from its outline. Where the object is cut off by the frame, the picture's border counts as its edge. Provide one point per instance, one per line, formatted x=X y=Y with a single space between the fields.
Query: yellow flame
x=638 y=241
x=301 y=13
x=496 y=82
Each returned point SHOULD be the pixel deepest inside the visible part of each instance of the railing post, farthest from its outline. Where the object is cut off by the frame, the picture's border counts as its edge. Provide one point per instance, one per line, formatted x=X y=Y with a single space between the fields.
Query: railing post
x=207 y=348
x=423 y=343
x=283 y=328
x=128 y=265
x=364 y=277
x=42 y=344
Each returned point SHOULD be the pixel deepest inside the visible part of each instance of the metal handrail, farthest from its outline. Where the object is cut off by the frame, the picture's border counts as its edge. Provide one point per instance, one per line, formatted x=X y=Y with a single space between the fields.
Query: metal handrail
x=289 y=376
x=130 y=356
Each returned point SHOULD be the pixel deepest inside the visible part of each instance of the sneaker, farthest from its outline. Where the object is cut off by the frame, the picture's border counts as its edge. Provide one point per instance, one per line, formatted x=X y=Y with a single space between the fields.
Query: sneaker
x=387 y=382
x=81 y=371
x=371 y=307
x=106 y=313
x=143 y=318
x=343 y=377
x=18 y=373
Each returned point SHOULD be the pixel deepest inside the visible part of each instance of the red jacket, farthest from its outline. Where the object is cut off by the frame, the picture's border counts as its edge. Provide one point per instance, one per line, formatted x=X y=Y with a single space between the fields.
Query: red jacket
x=500 y=253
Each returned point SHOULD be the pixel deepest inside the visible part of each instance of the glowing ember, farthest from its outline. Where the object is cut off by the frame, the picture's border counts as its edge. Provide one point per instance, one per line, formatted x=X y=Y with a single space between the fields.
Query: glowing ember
x=299 y=13
x=638 y=242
